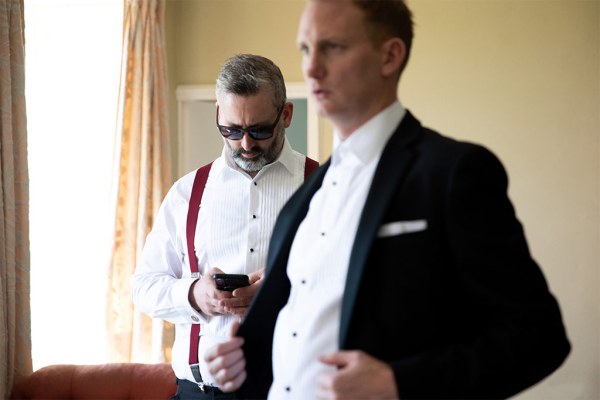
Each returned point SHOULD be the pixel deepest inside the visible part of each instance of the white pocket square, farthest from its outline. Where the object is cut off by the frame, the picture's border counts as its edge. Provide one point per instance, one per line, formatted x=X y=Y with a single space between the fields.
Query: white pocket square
x=400 y=227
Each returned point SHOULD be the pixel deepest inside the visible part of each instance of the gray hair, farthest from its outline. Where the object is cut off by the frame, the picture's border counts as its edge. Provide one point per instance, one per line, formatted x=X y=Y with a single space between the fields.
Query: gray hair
x=247 y=74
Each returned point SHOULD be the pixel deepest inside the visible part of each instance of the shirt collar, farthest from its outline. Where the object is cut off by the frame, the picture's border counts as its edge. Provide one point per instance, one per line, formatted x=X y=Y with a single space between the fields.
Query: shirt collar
x=286 y=157
x=368 y=141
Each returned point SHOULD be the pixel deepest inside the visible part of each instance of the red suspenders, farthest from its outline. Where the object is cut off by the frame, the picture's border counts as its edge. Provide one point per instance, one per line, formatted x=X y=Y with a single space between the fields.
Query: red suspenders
x=190 y=232
x=192 y=219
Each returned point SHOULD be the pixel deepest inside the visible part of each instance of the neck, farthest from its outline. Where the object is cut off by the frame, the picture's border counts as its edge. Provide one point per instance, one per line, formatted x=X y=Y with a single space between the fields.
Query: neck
x=346 y=125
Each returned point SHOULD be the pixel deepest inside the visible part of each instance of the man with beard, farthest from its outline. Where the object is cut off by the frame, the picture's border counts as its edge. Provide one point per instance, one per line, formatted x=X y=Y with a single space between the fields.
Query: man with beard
x=241 y=194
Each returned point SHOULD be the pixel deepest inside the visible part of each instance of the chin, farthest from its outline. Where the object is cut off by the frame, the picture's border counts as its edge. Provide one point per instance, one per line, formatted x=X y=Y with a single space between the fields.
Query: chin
x=323 y=111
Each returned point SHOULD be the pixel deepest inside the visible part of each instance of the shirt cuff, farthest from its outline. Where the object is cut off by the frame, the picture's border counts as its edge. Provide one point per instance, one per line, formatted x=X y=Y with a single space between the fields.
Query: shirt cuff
x=181 y=291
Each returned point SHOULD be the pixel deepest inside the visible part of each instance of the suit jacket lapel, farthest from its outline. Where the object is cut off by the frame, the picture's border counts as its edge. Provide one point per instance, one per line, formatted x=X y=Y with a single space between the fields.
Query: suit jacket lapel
x=392 y=166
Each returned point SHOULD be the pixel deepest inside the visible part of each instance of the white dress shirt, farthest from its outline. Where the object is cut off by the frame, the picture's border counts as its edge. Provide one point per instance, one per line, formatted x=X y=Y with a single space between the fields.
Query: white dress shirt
x=308 y=326
x=236 y=218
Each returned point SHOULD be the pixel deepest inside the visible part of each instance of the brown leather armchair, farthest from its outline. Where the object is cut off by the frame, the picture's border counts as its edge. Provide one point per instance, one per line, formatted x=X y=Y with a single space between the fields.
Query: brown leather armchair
x=104 y=381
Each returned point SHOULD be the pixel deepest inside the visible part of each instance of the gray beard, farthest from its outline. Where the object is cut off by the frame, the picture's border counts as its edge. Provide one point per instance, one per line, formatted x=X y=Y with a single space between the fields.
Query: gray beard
x=263 y=158
x=253 y=165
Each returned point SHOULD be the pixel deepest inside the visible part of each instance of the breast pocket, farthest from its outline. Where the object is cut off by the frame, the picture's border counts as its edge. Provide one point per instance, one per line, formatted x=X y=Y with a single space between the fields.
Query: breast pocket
x=403 y=247
x=401 y=228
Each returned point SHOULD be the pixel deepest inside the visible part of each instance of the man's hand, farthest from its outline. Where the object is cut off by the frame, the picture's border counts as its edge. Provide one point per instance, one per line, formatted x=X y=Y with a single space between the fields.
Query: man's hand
x=358 y=376
x=242 y=297
x=226 y=362
x=205 y=296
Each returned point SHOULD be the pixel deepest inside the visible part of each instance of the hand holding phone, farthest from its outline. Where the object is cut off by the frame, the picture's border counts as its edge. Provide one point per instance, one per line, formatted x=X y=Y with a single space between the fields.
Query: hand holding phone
x=230 y=282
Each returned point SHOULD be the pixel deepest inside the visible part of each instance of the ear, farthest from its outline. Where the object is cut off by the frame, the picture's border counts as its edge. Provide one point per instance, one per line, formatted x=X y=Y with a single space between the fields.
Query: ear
x=288 y=112
x=393 y=53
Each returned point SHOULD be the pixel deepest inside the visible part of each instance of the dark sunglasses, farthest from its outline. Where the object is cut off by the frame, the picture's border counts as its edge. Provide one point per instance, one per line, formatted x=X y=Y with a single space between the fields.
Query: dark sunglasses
x=255 y=132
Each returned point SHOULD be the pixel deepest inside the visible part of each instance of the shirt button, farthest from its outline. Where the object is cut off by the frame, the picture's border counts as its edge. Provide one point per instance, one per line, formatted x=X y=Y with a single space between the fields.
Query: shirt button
x=322 y=233
x=255 y=183
x=253 y=216
x=303 y=281
x=288 y=389
x=294 y=334
x=195 y=319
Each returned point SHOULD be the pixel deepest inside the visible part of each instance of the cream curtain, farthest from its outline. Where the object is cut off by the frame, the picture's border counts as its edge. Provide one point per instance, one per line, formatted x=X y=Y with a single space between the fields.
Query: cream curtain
x=15 y=319
x=143 y=177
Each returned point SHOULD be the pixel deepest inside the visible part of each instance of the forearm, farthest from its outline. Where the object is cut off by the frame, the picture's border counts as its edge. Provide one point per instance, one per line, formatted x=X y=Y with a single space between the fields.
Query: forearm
x=159 y=287
x=165 y=297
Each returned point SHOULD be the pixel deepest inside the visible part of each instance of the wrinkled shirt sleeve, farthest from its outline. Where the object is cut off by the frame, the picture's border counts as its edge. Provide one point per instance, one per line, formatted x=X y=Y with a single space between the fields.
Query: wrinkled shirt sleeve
x=162 y=280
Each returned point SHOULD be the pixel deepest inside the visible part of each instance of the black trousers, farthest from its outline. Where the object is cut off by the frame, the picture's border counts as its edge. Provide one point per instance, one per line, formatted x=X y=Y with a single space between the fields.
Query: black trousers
x=187 y=390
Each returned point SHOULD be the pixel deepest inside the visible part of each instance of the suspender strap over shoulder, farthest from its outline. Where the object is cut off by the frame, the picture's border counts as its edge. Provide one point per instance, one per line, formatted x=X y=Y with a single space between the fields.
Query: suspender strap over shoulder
x=200 y=179
x=310 y=166
x=190 y=230
x=192 y=215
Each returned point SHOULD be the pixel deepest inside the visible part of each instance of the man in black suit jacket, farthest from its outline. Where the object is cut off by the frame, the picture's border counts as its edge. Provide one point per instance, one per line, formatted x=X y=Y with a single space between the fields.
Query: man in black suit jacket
x=399 y=269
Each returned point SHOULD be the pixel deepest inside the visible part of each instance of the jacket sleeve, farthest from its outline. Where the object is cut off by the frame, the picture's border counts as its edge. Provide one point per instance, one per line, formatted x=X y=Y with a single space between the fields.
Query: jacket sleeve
x=519 y=337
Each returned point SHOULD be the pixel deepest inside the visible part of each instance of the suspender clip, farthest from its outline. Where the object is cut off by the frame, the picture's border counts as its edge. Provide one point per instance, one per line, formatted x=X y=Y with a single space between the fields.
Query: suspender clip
x=196 y=372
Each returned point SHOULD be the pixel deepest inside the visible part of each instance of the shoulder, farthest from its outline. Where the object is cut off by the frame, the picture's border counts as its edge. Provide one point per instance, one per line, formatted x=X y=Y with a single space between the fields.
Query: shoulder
x=182 y=188
x=446 y=149
x=437 y=148
x=435 y=155
x=457 y=162
x=294 y=161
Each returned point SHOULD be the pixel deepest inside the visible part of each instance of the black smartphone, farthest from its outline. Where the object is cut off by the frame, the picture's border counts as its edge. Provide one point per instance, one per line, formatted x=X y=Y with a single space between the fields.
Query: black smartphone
x=230 y=282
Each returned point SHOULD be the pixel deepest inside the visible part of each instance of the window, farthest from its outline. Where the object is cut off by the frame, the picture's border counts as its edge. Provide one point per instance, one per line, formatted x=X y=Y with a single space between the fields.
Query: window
x=73 y=53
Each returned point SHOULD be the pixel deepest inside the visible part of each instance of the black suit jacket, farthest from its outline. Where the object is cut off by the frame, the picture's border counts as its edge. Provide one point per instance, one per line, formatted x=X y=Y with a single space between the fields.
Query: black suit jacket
x=459 y=309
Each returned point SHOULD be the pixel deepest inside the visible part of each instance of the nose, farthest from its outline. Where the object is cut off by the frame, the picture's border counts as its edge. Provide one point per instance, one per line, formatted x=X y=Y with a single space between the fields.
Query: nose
x=312 y=65
x=247 y=142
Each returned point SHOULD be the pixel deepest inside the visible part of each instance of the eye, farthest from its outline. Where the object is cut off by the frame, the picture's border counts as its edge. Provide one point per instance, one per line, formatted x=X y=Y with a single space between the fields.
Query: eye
x=303 y=49
x=333 y=46
x=259 y=130
x=231 y=131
